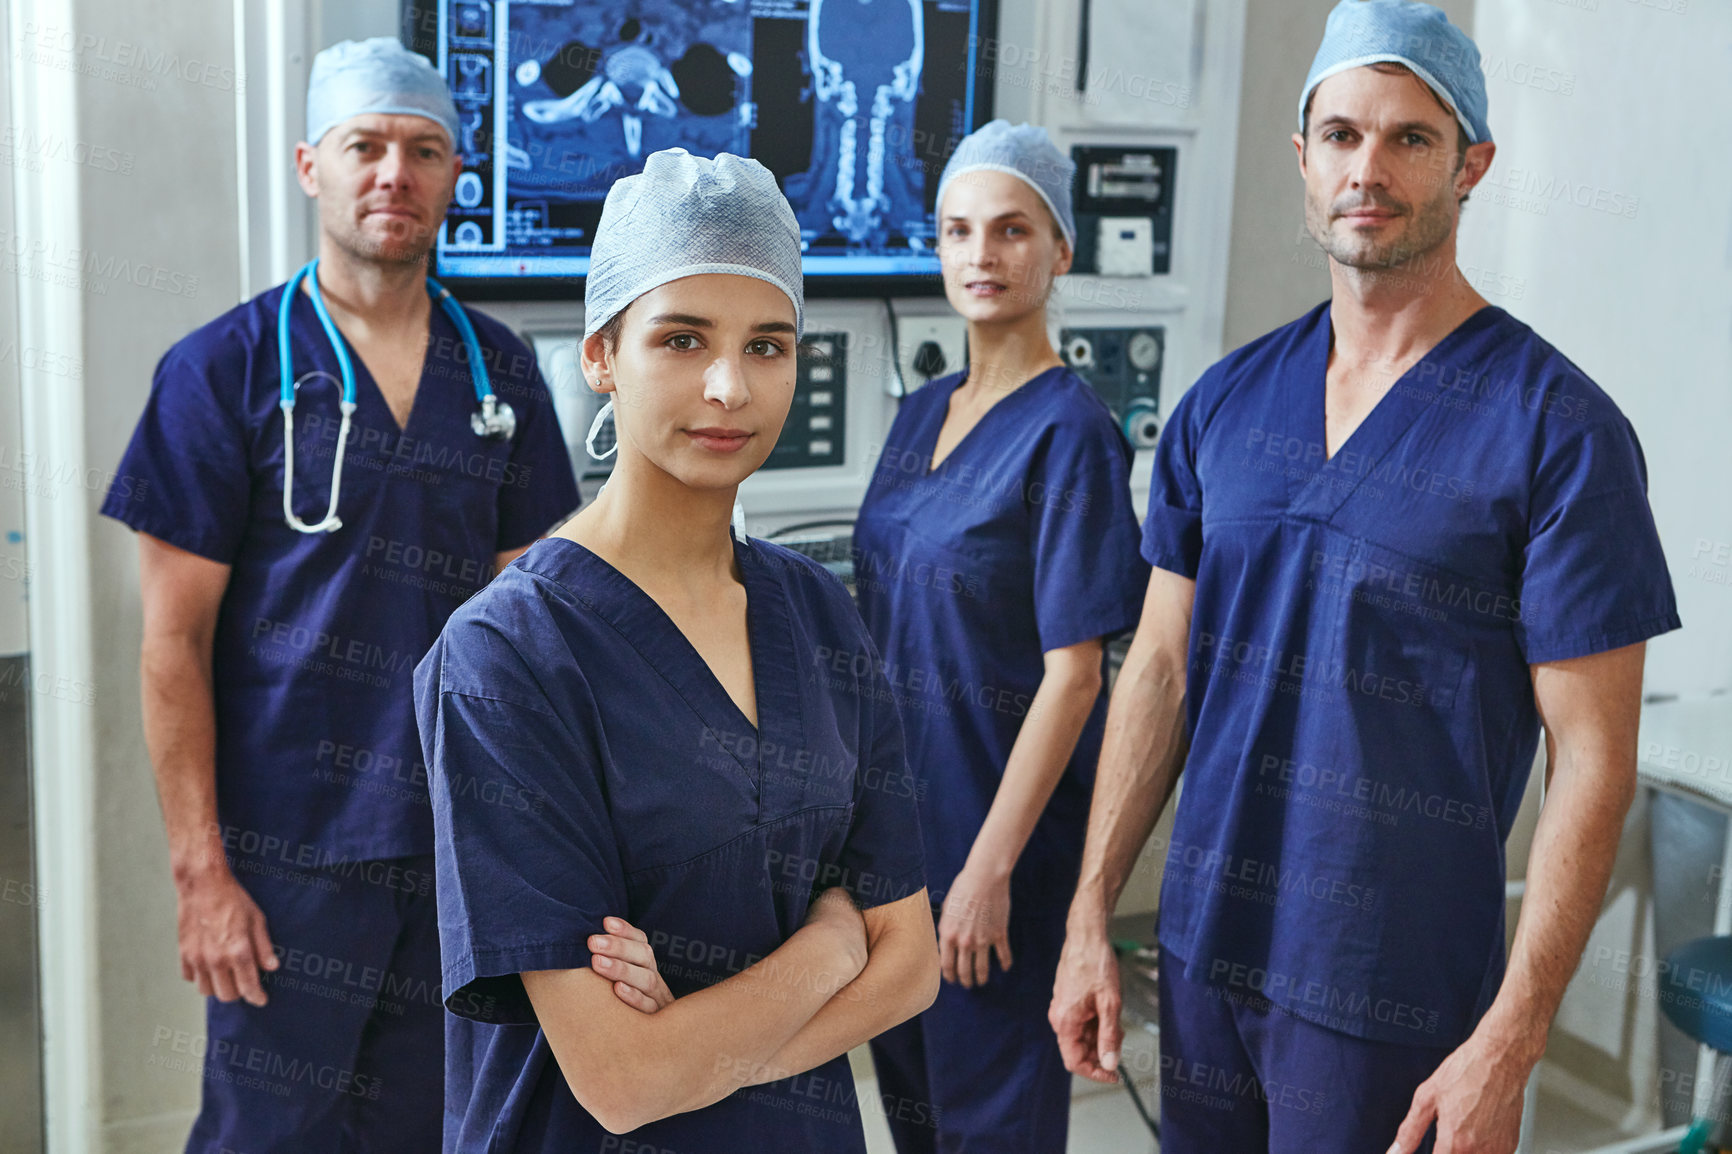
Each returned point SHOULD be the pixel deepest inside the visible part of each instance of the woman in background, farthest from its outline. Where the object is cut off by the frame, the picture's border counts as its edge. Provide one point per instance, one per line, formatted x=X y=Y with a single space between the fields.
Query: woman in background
x=995 y=553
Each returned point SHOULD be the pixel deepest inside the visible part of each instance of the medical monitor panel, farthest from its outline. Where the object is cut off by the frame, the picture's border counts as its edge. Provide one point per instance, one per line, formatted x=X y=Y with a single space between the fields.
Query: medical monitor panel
x=853 y=104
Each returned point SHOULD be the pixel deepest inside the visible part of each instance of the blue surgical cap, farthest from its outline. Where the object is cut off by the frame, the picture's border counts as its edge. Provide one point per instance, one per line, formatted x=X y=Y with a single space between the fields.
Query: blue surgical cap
x=357 y=77
x=684 y=215
x=1024 y=151
x=1361 y=32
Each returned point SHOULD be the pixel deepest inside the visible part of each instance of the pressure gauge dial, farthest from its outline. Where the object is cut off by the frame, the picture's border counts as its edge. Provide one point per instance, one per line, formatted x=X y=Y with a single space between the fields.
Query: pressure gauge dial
x=1144 y=351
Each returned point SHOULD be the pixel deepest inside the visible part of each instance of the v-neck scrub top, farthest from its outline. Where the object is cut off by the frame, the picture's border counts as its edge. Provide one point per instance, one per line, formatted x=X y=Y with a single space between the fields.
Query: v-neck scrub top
x=1022 y=540
x=586 y=762
x=317 y=756
x=1359 y=698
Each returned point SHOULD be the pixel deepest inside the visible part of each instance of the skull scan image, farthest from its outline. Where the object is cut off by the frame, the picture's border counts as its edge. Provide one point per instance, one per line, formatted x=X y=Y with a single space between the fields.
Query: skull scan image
x=613 y=83
x=865 y=57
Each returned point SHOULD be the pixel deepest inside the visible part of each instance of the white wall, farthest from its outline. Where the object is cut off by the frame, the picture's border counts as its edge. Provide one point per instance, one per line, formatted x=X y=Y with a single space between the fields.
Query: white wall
x=355 y=20
x=1608 y=217
x=1610 y=205
x=131 y=209
x=14 y=471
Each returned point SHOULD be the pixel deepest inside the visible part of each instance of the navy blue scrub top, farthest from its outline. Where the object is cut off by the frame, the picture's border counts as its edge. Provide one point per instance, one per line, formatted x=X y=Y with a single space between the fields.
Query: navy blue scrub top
x=317 y=757
x=1359 y=701
x=1023 y=540
x=586 y=762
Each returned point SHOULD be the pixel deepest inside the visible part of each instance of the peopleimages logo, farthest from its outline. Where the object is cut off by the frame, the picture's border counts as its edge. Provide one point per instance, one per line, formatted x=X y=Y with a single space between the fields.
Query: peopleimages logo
x=287 y=637
x=105 y=59
x=964 y=483
x=22 y=145
x=1420 y=587
x=90 y=269
x=374 y=448
x=1333 y=1005
x=930 y=683
x=874 y=570
x=254 y=1067
x=1380 y=798
x=1308 y=677
x=1265 y=882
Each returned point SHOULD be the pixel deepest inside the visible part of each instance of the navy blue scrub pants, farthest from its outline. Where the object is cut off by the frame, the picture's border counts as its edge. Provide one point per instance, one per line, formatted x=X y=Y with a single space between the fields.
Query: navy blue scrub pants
x=980 y=1071
x=348 y=1055
x=1239 y=1074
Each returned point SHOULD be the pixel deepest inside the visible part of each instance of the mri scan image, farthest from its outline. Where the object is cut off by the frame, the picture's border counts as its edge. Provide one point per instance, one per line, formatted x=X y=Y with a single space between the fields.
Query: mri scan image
x=853 y=104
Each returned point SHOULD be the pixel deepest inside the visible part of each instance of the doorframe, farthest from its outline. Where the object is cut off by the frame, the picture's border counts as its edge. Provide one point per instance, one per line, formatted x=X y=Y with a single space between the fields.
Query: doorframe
x=46 y=204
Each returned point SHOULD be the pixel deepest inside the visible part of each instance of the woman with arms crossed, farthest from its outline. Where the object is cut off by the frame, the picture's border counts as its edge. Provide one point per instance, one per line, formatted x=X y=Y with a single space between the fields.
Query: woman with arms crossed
x=631 y=743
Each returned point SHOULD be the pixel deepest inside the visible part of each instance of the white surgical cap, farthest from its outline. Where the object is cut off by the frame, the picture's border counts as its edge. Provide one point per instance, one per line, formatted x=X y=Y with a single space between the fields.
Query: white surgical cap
x=1025 y=152
x=684 y=215
x=357 y=77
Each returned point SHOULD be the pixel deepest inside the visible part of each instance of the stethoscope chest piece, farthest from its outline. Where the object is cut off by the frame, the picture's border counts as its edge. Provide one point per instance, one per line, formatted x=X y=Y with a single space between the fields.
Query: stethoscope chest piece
x=494 y=420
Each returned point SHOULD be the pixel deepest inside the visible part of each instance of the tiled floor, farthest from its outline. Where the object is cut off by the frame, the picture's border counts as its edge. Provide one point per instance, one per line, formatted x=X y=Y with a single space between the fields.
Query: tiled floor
x=1103 y=1121
x=1102 y=1118
x=1562 y=1127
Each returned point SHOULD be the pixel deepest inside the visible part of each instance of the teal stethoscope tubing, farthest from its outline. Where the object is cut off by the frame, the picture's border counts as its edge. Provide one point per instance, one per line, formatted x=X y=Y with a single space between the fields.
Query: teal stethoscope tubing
x=495 y=418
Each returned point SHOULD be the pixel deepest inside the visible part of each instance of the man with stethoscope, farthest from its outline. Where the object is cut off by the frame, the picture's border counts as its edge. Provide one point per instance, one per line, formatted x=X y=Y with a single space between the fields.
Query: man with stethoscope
x=334 y=466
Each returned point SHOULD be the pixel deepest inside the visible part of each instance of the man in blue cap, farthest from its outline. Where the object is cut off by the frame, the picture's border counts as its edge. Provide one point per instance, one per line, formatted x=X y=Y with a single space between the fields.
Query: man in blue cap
x=278 y=654
x=1389 y=540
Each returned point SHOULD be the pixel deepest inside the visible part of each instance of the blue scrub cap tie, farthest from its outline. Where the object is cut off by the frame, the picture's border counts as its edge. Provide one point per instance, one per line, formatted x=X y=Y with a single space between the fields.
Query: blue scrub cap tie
x=684 y=215
x=1025 y=152
x=1361 y=32
x=357 y=77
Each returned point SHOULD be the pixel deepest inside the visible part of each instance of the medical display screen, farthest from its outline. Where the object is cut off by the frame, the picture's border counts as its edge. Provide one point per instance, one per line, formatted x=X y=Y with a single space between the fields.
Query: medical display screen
x=853 y=104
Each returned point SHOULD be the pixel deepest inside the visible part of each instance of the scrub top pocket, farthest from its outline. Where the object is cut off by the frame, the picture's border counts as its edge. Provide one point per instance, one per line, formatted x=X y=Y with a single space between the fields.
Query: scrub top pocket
x=1408 y=625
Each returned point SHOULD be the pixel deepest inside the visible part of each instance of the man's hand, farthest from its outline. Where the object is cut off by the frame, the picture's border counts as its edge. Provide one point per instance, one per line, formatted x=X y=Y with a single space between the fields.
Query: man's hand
x=223 y=940
x=1085 y=1006
x=974 y=925
x=1475 y=1098
x=1142 y=753
x=624 y=956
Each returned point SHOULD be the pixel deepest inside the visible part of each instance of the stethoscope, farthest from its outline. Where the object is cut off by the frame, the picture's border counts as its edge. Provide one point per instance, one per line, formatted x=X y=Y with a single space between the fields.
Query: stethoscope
x=493 y=419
